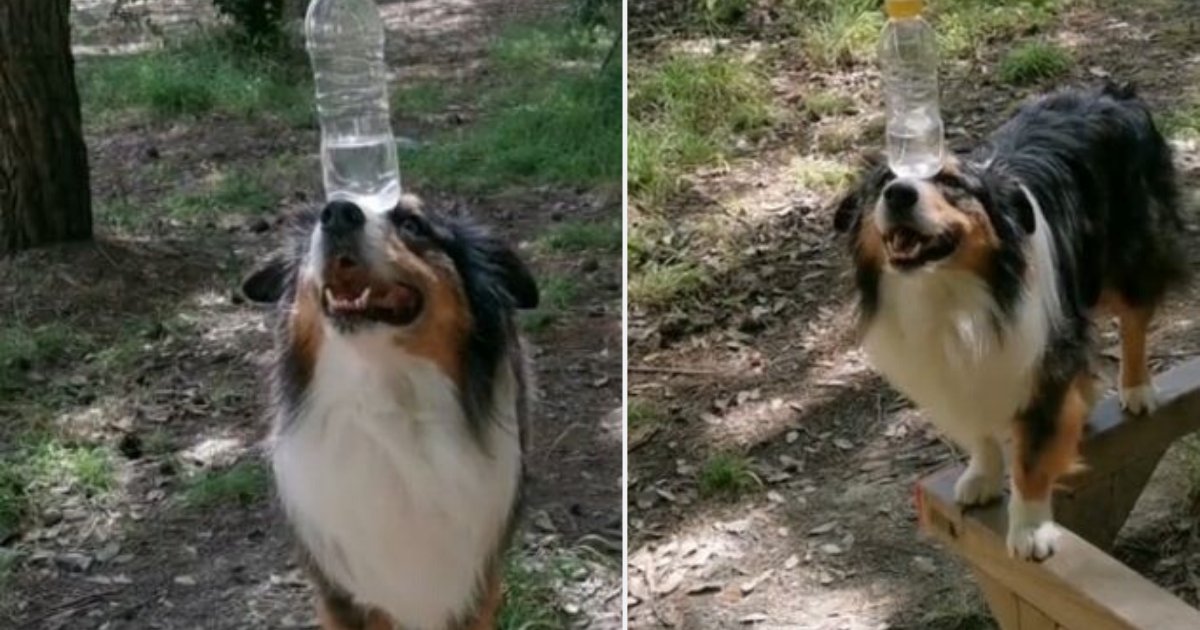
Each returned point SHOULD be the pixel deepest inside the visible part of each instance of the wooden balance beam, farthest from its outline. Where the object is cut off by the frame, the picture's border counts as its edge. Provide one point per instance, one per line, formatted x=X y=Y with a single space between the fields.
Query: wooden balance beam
x=1081 y=587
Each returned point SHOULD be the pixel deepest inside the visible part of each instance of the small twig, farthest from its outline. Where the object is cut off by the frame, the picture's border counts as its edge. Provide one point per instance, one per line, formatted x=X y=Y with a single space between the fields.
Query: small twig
x=654 y=369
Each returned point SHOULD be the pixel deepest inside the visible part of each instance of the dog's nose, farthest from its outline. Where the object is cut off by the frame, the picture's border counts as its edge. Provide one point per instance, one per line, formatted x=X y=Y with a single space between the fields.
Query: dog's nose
x=340 y=218
x=900 y=198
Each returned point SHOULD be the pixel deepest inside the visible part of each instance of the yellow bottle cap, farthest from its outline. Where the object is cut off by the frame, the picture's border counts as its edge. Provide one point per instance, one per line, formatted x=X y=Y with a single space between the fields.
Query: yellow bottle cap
x=901 y=9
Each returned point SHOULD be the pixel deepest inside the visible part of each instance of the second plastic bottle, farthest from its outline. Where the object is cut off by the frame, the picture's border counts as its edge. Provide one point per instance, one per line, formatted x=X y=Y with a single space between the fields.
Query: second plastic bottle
x=345 y=40
x=908 y=61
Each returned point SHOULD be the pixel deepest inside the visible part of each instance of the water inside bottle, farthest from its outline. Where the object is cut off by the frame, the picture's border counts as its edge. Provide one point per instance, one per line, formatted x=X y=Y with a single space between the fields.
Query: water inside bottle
x=363 y=170
x=915 y=145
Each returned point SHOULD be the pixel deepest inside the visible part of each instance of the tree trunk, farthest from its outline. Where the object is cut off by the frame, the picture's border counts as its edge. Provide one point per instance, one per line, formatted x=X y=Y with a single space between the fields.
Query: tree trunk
x=44 y=195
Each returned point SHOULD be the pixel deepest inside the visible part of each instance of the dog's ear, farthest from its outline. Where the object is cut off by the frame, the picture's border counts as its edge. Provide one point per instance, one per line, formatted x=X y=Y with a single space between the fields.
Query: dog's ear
x=517 y=279
x=849 y=209
x=266 y=285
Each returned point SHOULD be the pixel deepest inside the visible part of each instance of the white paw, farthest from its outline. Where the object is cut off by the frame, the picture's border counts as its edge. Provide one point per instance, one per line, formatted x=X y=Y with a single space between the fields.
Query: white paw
x=1032 y=541
x=976 y=487
x=1139 y=400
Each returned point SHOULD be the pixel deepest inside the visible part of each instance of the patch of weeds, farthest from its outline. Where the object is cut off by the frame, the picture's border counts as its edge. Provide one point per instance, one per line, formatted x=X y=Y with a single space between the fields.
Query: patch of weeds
x=210 y=72
x=837 y=32
x=557 y=295
x=14 y=499
x=1182 y=123
x=24 y=348
x=236 y=192
x=686 y=112
x=722 y=14
x=158 y=443
x=959 y=609
x=422 y=98
x=828 y=103
x=726 y=474
x=643 y=413
x=530 y=600
x=655 y=285
x=553 y=116
x=821 y=174
x=579 y=236
x=1033 y=62
x=242 y=484
x=963 y=26
x=87 y=468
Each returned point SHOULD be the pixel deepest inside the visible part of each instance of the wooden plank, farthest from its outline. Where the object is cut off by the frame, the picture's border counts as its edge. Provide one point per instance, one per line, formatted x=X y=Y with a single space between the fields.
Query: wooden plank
x=1002 y=602
x=1033 y=619
x=1080 y=587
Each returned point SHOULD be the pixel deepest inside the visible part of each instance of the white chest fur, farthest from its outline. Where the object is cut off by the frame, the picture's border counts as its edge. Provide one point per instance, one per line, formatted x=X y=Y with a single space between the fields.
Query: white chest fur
x=934 y=338
x=391 y=494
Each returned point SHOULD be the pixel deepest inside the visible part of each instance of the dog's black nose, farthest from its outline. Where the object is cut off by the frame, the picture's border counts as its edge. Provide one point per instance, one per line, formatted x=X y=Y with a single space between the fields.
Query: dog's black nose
x=900 y=197
x=341 y=217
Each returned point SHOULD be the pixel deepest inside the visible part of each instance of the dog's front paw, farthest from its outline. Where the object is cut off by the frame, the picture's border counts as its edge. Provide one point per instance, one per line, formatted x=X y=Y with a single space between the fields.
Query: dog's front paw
x=1032 y=541
x=1139 y=400
x=977 y=487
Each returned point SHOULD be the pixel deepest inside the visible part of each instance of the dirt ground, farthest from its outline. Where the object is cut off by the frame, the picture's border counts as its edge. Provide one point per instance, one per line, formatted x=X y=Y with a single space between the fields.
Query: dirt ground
x=763 y=362
x=188 y=399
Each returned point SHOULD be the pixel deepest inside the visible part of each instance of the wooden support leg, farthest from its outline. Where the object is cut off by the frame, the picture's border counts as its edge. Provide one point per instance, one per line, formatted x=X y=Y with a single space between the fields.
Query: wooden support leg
x=1002 y=602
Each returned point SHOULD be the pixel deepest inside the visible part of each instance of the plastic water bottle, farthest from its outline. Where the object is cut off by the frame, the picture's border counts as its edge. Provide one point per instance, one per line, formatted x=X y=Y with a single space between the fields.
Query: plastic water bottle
x=358 y=151
x=908 y=60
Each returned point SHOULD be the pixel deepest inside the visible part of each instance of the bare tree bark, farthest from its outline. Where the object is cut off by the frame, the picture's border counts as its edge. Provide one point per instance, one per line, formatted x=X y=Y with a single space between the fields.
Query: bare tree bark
x=44 y=194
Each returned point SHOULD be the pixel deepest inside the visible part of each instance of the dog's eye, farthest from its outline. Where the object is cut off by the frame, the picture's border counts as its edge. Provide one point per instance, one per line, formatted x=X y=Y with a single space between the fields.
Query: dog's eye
x=410 y=225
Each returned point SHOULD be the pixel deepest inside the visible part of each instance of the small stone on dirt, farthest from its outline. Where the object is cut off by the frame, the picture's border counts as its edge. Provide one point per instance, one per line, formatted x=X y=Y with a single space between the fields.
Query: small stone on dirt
x=822 y=529
x=752 y=619
x=108 y=552
x=792 y=436
x=830 y=549
x=843 y=444
x=792 y=562
x=185 y=580
x=74 y=562
x=924 y=565
x=670 y=584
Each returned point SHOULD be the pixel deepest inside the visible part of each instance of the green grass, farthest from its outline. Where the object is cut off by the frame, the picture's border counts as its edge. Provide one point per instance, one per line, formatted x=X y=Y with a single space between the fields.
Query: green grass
x=721 y=14
x=963 y=26
x=223 y=194
x=1183 y=122
x=23 y=348
x=530 y=600
x=727 y=475
x=36 y=462
x=212 y=72
x=558 y=293
x=579 y=236
x=838 y=32
x=822 y=175
x=686 y=112
x=242 y=484
x=422 y=98
x=551 y=116
x=828 y=103
x=656 y=285
x=643 y=413
x=1033 y=62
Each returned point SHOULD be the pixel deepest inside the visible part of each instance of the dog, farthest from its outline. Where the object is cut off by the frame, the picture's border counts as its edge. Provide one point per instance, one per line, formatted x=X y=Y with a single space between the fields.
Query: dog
x=401 y=399
x=977 y=287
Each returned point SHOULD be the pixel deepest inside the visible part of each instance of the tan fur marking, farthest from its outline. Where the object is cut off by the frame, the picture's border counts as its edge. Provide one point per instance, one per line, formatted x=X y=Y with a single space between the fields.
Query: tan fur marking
x=305 y=326
x=1134 y=324
x=978 y=241
x=441 y=334
x=489 y=608
x=1034 y=476
x=870 y=251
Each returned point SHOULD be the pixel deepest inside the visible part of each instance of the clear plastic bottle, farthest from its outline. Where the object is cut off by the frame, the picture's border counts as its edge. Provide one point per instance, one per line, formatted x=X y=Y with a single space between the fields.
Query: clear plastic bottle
x=345 y=41
x=908 y=61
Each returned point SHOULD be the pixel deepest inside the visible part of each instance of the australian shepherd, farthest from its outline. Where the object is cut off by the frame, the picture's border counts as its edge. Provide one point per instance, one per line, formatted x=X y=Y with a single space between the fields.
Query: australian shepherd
x=400 y=403
x=978 y=286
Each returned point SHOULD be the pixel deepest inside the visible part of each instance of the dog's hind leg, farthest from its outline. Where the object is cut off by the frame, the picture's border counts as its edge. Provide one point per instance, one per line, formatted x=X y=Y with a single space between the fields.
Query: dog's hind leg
x=1137 y=392
x=1046 y=447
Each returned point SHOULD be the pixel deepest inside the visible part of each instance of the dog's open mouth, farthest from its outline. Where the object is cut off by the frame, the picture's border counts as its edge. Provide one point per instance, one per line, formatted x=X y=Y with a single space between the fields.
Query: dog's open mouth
x=351 y=294
x=910 y=249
